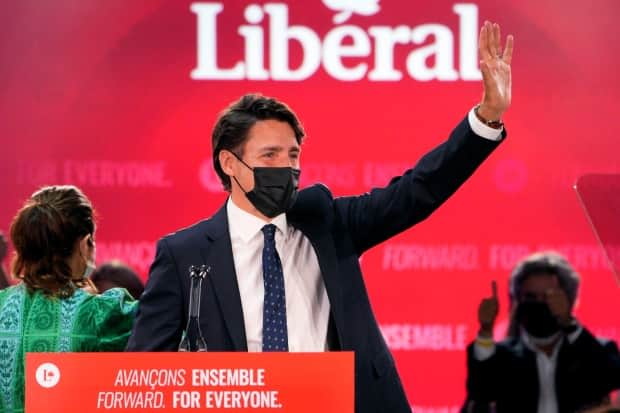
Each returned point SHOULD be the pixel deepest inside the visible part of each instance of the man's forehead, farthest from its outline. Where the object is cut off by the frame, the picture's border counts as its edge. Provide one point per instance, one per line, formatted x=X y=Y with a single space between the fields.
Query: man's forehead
x=275 y=135
x=539 y=280
x=272 y=127
x=278 y=148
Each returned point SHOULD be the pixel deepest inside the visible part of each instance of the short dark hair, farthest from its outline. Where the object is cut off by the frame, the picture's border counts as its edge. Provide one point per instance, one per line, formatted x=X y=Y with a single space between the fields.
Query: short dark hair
x=44 y=233
x=116 y=274
x=231 y=130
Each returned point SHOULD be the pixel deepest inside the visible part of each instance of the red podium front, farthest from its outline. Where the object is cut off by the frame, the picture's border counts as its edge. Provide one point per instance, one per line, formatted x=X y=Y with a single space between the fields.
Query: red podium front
x=140 y=382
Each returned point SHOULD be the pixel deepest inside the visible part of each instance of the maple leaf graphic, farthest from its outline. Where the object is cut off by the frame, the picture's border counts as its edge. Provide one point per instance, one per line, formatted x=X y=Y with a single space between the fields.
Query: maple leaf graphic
x=346 y=8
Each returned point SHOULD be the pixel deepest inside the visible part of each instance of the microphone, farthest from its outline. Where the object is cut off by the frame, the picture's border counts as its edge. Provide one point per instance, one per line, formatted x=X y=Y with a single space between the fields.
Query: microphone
x=196 y=274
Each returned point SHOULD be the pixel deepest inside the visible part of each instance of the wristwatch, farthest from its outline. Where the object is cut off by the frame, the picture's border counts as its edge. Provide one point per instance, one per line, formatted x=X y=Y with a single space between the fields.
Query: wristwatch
x=495 y=124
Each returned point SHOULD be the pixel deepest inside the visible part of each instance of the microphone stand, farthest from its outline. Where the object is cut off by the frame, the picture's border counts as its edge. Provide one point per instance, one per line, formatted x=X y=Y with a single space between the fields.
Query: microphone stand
x=196 y=274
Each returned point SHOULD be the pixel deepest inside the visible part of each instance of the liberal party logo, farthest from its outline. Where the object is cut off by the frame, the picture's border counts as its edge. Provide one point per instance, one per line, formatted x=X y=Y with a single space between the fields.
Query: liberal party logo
x=47 y=375
x=346 y=8
x=346 y=52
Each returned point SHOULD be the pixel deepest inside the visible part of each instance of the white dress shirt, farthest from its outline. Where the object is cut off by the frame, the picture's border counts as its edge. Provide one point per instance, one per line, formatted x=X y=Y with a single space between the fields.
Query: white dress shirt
x=546 y=366
x=307 y=304
x=482 y=130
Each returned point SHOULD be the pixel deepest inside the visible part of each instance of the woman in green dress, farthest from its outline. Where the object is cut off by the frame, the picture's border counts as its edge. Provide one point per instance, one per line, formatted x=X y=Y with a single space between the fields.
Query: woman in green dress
x=51 y=310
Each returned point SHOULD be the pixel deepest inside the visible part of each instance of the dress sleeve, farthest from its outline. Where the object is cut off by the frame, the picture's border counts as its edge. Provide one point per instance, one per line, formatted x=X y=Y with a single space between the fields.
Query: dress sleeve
x=115 y=312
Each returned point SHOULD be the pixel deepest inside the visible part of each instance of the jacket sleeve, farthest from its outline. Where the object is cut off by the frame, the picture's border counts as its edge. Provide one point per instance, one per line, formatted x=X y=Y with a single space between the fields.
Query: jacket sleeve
x=600 y=356
x=375 y=216
x=158 y=324
x=482 y=379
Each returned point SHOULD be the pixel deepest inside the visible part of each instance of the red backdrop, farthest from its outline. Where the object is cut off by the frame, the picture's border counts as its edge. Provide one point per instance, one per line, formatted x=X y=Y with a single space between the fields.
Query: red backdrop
x=101 y=95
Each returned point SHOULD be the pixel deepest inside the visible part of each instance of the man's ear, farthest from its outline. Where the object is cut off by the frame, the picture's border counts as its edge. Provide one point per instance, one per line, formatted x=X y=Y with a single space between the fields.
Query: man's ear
x=227 y=160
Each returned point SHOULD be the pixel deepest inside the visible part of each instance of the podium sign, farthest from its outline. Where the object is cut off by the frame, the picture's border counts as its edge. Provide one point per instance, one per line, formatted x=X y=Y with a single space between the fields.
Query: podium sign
x=189 y=382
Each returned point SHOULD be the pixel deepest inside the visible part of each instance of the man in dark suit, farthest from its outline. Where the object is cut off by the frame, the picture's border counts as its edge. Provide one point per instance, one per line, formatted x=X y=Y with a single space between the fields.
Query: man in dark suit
x=549 y=363
x=285 y=274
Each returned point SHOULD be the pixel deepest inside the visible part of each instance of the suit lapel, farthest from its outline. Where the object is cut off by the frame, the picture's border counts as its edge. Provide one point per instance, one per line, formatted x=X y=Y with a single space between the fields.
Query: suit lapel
x=223 y=278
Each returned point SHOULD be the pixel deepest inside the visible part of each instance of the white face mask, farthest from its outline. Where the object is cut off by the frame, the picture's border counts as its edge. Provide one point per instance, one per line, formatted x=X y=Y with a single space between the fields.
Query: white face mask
x=542 y=341
x=90 y=268
x=90 y=263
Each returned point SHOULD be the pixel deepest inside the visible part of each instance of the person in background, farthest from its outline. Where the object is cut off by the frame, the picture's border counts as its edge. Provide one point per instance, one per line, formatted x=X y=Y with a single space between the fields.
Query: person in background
x=116 y=274
x=550 y=362
x=4 y=248
x=49 y=310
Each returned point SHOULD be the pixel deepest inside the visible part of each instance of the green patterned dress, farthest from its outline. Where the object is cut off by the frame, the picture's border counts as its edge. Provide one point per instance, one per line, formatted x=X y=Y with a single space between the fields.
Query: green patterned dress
x=33 y=322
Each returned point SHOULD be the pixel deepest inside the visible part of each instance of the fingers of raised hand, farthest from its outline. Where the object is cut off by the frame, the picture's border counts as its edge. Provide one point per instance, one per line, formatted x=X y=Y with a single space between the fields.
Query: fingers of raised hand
x=484 y=42
x=488 y=308
x=489 y=304
x=496 y=40
x=507 y=56
x=490 y=44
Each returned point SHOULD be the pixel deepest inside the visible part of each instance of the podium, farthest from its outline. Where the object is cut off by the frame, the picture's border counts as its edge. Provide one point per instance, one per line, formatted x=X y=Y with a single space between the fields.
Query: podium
x=189 y=382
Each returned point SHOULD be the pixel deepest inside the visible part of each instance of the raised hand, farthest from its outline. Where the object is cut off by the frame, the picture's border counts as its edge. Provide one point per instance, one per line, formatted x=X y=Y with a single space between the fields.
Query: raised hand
x=487 y=312
x=496 y=72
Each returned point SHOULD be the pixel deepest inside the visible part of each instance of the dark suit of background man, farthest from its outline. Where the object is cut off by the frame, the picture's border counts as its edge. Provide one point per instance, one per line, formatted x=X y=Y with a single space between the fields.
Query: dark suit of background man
x=549 y=362
x=307 y=293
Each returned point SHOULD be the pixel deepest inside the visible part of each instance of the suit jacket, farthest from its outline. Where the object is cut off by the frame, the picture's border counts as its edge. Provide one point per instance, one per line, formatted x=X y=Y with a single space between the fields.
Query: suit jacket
x=587 y=371
x=340 y=230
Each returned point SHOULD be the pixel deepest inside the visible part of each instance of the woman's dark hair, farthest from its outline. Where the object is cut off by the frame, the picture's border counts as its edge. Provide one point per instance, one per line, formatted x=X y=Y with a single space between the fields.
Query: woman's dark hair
x=232 y=127
x=45 y=233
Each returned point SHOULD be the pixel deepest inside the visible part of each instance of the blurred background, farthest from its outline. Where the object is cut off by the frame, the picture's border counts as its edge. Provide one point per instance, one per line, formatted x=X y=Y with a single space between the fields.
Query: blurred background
x=119 y=98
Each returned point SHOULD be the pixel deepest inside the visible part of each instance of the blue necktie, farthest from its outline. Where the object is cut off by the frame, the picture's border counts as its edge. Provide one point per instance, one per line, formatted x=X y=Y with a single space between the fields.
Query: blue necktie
x=275 y=333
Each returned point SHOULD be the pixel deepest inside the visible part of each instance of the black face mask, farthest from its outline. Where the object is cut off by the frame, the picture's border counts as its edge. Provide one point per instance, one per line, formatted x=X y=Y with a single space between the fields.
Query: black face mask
x=275 y=188
x=537 y=320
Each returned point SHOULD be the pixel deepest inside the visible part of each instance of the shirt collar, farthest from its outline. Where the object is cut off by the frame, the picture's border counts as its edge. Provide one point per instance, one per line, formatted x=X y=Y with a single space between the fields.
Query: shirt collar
x=244 y=225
